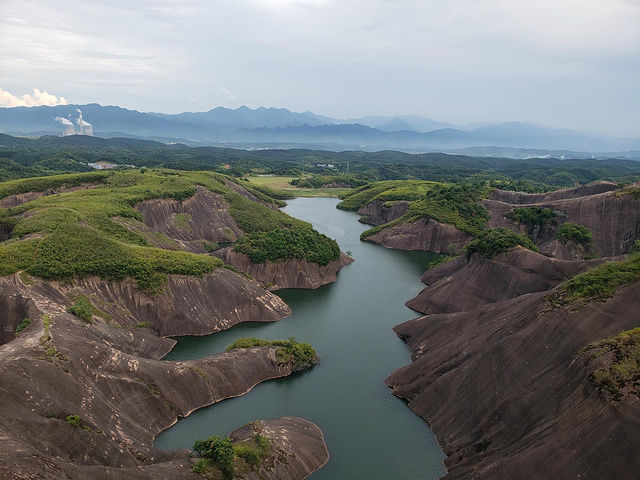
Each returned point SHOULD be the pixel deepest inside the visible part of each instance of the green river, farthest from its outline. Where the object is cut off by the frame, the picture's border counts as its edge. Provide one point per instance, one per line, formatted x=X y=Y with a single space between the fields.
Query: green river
x=370 y=434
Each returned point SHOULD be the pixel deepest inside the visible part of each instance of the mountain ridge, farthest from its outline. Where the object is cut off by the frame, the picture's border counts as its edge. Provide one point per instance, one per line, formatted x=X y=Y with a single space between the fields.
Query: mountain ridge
x=280 y=127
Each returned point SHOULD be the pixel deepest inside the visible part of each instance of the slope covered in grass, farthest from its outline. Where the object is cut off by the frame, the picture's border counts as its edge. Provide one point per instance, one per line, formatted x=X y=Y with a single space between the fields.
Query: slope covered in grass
x=73 y=234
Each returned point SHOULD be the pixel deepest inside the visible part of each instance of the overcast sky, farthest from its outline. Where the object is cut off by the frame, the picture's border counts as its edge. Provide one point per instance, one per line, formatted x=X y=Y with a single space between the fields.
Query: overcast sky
x=564 y=63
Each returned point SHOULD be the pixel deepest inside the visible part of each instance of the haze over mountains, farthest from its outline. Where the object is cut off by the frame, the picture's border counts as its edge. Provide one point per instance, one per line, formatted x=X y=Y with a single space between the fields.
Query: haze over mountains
x=278 y=127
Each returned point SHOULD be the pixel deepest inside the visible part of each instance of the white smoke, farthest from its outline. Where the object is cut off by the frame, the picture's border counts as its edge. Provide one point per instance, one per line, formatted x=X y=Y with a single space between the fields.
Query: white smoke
x=38 y=98
x=81 y=120
x=63 y=121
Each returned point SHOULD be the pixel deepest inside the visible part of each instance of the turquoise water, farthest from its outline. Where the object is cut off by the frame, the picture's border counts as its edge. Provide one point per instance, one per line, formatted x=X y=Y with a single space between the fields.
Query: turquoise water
x=370 y=433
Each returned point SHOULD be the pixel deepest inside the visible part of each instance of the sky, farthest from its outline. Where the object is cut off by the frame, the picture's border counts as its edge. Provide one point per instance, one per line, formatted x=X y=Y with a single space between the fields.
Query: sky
x=563 y=63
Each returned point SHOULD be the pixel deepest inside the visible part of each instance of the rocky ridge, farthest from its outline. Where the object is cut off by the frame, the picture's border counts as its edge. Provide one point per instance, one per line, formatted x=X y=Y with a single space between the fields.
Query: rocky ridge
x=87 y=397
x=291 y=273
x=611 y=214
x=497 y=364
x=113 y=380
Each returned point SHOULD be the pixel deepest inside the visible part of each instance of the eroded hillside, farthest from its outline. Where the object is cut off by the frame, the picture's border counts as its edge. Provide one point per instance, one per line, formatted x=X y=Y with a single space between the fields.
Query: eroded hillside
x=526 y=364
x=95 y=274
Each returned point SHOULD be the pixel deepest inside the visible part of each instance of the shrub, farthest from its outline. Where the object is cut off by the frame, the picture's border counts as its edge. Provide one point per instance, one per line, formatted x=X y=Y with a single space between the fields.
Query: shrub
x=531 y=215
x=84 y=309
x=603 y=281
x=302 y=355
x=24 y=324
x=492 y=242
x=218 y=450
x=300 y=242
x=452 y=204
x=73 y=420
x=570 y=232
x=318 y=181
x=624 y=370
x=248 y=343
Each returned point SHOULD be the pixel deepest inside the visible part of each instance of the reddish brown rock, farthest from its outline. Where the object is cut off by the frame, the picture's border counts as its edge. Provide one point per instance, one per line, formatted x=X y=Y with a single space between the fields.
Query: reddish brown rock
x=464 y=284
x=19 y=199
x=521 y=198
x=112 y=378
x=612 y=217
x=298 y=448
x=424 y=234
x=285 y=274
x=508 y=396
x=188 y=305
x=376 y=213
x=204 y=216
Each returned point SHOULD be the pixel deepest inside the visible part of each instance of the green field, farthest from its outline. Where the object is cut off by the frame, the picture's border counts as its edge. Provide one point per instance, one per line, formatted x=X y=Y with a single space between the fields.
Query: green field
x=284 y=183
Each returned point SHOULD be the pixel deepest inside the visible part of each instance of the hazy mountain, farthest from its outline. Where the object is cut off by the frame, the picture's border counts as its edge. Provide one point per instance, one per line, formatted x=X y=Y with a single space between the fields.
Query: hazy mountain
x=279 y=127
x=400 y=122
x=221 y=118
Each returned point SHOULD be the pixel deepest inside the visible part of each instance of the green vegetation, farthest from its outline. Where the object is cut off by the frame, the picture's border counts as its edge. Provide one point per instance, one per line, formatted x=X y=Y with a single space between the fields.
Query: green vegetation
x=441 y=261
x=85 y=310
x=266 y=191
x=385 y=191
x=603 y=281
x=453 y=204
x=531 y=216
x=80 y=233
x=570 y=232
x=40 y=184
x=300 y=242
x=340 y=180
x=492 y=242
x=50 y=155
x=221 y=455
x=24 y=324
x=73 y=420
x=182 y=220
x=274 y=236
x=302 y=355
x=622 y=374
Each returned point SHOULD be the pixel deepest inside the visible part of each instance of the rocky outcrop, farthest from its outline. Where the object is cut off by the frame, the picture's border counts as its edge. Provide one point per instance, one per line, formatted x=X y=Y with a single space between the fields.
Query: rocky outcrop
x=424 y=234
x=86 y=399
x=465 y=284
x=188 y=305
x=521 y=198
x=507 y=394
x=287 y=273
x=298 y=448
x=202 y=217
x=613 y=217
x=19 y=199
x=376 y=213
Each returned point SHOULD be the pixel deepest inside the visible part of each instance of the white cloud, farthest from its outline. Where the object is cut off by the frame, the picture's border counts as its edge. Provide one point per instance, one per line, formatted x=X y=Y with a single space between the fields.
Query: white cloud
x=229 y=95
x=459 y=60
x=37 y=99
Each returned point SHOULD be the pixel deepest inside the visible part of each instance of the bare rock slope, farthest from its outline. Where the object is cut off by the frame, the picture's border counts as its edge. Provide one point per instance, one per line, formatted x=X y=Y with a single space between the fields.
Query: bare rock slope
x=87 y=399
x=286 y=273
x=465 y=284
x=497 y=367
x=507 y=393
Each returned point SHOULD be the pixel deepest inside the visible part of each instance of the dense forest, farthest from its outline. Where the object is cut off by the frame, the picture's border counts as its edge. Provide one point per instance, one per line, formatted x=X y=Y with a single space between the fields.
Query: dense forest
x=22 y=157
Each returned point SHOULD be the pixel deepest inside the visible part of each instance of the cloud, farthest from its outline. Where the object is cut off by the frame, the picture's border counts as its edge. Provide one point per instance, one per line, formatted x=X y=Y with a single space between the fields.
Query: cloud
x=38 y=98
x=229 y=95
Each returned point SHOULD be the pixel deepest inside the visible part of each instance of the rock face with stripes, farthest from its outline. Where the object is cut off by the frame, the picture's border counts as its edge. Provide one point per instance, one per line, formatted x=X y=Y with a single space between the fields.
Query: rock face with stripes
x=499 y=368
x=85 y=399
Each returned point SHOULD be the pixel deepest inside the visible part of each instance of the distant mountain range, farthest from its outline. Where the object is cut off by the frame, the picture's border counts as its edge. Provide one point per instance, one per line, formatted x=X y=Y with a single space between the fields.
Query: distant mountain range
x=281 y=128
